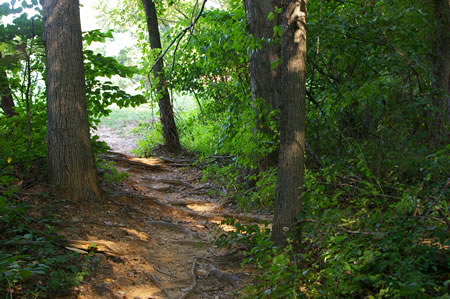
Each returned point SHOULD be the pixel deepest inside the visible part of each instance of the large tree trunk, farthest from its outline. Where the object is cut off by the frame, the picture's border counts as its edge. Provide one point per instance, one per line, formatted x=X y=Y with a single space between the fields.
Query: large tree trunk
x=170 y=133
x=264 y=66
x=441 y=101
x=71 y=162
x=290 y=178
x=7 y=101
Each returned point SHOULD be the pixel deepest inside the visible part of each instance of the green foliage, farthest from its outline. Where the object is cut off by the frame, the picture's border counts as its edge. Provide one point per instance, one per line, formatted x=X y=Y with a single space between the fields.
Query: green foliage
x=152 y=137
x=103 y=93
x=360 y=237
x=278 y=269
x=33 y=258
x=110 y=173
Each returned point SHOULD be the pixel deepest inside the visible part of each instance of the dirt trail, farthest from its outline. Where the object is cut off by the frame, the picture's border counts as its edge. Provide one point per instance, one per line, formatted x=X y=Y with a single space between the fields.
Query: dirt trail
x=154 y=234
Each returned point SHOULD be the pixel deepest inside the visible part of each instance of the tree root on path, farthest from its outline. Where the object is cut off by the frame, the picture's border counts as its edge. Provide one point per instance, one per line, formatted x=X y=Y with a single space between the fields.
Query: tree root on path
x=225 y=277
x=181 y=212
x=133 y=163
x=187 y=202
x=172 y=226
x=192 y=287
x=105 y=247
x=156 y=282
x=168 y=181
x=167 y=189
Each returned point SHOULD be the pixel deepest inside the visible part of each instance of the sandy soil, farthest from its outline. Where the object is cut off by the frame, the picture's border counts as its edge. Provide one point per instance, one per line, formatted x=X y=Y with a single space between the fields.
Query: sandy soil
x=116 y=141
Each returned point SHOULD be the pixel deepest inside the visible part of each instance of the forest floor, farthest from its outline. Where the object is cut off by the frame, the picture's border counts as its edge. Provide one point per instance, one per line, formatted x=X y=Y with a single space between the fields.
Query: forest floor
x=154 y=232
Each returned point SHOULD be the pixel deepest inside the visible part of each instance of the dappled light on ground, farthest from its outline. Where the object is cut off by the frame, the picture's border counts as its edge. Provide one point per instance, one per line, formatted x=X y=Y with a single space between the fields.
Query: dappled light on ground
x=153 y=235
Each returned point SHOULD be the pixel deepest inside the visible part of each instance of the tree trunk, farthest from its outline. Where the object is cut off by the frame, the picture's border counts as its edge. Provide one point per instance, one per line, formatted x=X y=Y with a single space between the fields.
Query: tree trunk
x=7 y=102
x=441 y=101
x=71 y=162
x=290 y=178
x=264 y=63
x=170 y=133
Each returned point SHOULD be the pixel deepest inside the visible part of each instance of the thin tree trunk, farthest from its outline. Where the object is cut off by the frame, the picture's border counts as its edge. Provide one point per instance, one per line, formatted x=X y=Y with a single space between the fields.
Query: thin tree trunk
x=441 y=101
x=7 y=102
x=28 y=96
x=71 y=162
x=290 y=178
x=170 y=132
x=264 y=64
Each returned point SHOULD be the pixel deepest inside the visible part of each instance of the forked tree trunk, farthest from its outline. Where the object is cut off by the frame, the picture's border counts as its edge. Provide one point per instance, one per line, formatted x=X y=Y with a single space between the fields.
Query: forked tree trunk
x=290 y=178
x=6 y=101
x=264 y=63
x=441 y=101
x=72 y=168
x=170 y=132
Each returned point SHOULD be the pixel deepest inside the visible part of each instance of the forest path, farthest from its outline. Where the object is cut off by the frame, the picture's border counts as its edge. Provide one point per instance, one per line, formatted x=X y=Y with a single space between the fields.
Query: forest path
x=154 y=234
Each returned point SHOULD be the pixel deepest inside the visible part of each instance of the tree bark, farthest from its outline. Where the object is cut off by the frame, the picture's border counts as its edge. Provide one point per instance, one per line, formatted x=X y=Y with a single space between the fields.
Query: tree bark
x=264 y=77
x=290 y=178
x=71 y=162
x=170 y=132
x=264 y=63
x=7 y=101
x=441 y=101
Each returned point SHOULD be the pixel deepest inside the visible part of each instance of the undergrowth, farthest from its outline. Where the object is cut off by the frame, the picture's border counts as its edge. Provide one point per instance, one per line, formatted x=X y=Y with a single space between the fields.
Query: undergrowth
x=32 y=261
x=361 y=236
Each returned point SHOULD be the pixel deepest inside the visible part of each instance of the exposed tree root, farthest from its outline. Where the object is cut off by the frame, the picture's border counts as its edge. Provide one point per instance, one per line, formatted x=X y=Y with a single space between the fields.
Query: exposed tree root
x=106 y=247
x=106 y=223
x=168 y=181
x=190 y=289
x=157 y=283
x=227 y=277
x=187 y=202
x=118 y=154
x=172 y=227
x=133 y=163
x=167 y=189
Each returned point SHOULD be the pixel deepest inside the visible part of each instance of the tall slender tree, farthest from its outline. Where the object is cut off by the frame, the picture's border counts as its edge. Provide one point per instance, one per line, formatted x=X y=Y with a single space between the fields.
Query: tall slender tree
x=290 y=178
x=170 y=132
x=6 y=101
x=441 y=45
x=264 y=61
x=71 y=162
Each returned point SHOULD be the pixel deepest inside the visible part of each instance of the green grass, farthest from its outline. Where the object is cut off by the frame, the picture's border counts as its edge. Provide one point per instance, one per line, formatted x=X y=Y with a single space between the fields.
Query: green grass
x=122 y=120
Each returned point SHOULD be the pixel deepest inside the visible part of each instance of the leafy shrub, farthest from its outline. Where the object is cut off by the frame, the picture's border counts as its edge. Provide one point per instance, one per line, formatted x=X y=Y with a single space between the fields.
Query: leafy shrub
x=361 y=236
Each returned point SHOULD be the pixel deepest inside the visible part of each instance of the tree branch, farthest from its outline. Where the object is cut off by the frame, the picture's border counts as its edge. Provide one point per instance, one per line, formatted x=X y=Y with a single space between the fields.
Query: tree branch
x=178 y=38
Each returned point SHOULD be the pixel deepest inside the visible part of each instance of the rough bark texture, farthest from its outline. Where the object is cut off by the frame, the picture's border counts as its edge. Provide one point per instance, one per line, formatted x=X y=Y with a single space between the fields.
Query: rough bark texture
x=7 y=102
x=290 y=178
x=170 y=133
x=72 y=168
x=441 y=102
x=265 y=79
